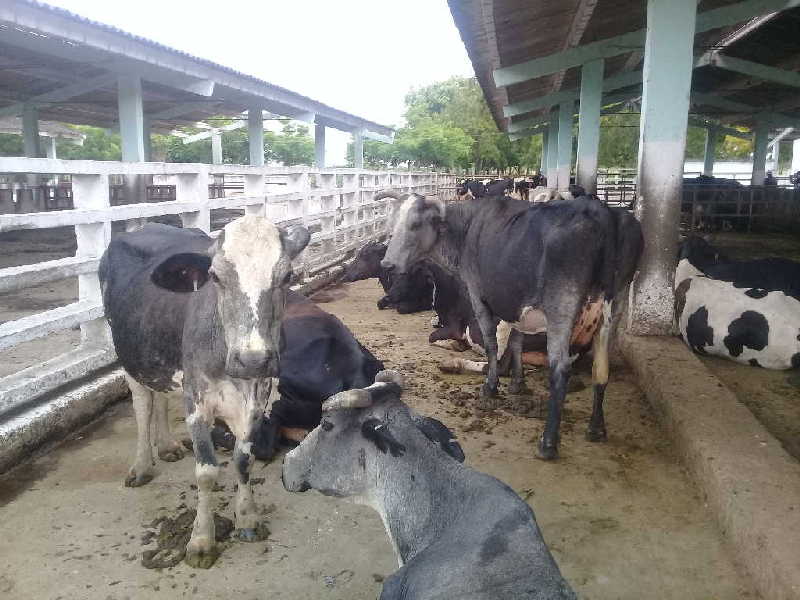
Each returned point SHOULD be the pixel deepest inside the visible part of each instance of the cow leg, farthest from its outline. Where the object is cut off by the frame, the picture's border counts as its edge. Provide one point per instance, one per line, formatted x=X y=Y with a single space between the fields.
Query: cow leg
x=201 y=551
x=488 y=326
x=168 y=449
x=517 y=384
x=597 y=425
x=246 y=511
x=142 y=470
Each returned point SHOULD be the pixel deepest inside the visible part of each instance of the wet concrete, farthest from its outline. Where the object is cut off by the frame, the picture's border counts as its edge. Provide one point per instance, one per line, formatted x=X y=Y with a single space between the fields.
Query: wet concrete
x=622 y=518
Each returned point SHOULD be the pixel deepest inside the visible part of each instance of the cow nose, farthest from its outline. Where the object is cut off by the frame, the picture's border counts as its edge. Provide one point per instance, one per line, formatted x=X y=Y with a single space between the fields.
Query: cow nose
x=253 y=363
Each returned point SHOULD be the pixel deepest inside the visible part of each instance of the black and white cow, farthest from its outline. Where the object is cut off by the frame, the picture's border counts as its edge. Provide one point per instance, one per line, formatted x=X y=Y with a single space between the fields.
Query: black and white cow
x=219 y=342
x=537 y=269
x=523 y=187
x=500 y=187
x=413 y=292
x=457 y=533
x=473 y=187
x=748 y=312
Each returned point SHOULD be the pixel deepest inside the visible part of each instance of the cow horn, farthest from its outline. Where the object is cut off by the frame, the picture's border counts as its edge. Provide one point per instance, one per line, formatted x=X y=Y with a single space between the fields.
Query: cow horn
x=389 y=376
x=347 y=399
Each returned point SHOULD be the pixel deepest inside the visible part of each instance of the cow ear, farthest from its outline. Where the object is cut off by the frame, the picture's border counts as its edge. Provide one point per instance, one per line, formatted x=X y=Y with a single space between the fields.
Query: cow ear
x=295 y=239
x=186 y=272
x=377 y=432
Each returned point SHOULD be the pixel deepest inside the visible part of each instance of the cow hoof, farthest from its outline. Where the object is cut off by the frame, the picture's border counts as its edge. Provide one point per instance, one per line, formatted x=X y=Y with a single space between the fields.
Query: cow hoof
x=488 y=391
x=596 y=435
x=135 y=480
x=548 y=451
x=173 y=454
x=201 y=558
x=519 y=389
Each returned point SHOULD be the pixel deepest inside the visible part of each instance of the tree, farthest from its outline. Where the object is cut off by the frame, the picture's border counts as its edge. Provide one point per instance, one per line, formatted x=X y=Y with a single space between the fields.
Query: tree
x=293 y=146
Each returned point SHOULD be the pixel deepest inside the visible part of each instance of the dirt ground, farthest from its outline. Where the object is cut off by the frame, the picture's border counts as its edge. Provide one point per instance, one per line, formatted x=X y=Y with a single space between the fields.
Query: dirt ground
x=772 y=396
x=621 y=518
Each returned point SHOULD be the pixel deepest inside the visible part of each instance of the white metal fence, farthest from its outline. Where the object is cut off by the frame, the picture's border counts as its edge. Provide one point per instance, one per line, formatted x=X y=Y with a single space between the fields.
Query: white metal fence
x=337 y=204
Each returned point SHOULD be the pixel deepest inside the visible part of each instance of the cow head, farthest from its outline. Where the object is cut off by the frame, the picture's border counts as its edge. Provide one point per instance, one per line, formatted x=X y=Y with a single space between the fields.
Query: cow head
x=418 y=223
x=700 y=253
x=363 y=435
x=367 y=263
x=250 y=268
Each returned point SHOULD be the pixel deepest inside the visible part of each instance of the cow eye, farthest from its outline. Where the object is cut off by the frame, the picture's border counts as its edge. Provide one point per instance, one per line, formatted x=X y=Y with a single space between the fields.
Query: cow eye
x=327 y=425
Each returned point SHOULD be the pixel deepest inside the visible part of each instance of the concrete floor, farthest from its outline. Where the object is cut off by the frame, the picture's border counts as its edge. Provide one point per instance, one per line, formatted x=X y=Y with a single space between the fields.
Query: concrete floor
x=622 y=518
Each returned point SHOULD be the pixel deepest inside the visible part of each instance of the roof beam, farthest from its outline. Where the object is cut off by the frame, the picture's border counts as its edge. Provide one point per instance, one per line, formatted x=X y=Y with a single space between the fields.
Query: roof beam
x=60 y=94
x=634 y=40
x=611 y=83
x=751 y=69
x=580 y=20
x=181 y=109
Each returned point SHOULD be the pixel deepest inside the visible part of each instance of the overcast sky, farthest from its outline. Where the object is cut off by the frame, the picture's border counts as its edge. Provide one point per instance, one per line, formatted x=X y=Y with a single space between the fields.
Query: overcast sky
x=361 y=56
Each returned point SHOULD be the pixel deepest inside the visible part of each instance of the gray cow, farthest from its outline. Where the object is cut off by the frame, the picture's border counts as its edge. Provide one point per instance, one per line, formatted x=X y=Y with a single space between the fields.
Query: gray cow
x=457 y=533
x=543 y=267
x=218 y=342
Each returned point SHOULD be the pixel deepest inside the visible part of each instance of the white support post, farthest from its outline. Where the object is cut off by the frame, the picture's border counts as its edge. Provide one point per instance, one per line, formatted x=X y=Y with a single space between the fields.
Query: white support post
x=254 y=186
x=708 y=156
x=564 y=165
x=358 y=149
x=146 y=132
x=131 y=117
x=319 y=146
x=668 y=62
x=589 y=124
x=91 y=192
x=328 y=205
x=50 y=148
x=255 y=136
x=760 y=142
x=193 y=187
x=216 y=147
x=30 y=131
x=552 y=150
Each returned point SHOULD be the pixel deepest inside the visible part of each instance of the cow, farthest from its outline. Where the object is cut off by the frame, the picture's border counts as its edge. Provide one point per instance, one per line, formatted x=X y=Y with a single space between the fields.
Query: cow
x=748 y=312
x=537 y=269
x=408 y=294
x=523 y=187
x=457 y=532
x=218 y=342
x=472 y=187
x=319 y=357
x=500 y=187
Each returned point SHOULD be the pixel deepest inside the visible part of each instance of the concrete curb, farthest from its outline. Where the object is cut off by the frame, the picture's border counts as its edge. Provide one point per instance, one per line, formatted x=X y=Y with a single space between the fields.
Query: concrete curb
x=54 y=417
x=749 y=481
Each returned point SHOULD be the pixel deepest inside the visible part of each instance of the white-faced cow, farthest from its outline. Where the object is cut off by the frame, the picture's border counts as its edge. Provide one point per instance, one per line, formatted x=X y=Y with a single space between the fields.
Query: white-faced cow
x=537 y=269
x=457 y=533
x=218 y=341
x=748 y=312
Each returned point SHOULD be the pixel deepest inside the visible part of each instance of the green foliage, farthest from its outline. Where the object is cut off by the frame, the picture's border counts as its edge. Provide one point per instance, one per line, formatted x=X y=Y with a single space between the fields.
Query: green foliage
x=10 y=144
x=99 y=144
x=293 y=146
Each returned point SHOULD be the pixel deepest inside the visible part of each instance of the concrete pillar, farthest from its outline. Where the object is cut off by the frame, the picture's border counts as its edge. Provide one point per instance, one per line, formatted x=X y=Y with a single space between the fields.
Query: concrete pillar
x=565 y=112
x=543 y=166
x=358 y=149
x=319 y=146
x=667 y=81
x=131 y=117
x=146 y=131
x=760 y=142
x=50 y=148
x=552 y=150
x=255 y=136
x=708 y=156
x=216 y=147
x=589 y=124
x=30 y=131
x=795 y=156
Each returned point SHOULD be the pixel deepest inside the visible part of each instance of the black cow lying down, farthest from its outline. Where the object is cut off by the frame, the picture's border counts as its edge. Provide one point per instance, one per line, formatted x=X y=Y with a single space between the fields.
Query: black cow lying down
x=458 y=533
x=319 y=358
x=414 y=293
x=746 y=311
x=217 y=341
x=537 y=269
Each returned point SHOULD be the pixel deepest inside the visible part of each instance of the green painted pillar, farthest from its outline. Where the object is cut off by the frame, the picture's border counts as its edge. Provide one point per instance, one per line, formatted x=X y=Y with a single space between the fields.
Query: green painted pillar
x=708 y=156
x=543 y=166
x=760 y=142
x=589 y=124
x=565 y=112
x=131 y=117
x=552 y=150
x=667 y=79
x=255 y=136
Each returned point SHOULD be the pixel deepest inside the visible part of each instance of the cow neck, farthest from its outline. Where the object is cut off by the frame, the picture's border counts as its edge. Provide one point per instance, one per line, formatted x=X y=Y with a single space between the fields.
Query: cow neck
x=431 y=486
x=450 y=245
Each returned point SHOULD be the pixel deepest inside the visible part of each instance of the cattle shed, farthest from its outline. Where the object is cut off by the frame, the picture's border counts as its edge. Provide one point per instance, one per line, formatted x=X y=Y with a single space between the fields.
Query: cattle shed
x=59 y=66
x=712 y=63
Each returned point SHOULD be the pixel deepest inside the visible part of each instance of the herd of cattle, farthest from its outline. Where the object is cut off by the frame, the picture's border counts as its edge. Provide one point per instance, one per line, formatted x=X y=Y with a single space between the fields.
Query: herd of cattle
x=213 y=321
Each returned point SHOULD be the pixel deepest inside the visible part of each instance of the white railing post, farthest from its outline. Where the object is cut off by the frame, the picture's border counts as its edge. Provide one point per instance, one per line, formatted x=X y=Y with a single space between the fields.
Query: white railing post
x=193 y=187
x=254 y=187
x=91 y=192
x=329 y=203
x=298 y=183
x=351 y=184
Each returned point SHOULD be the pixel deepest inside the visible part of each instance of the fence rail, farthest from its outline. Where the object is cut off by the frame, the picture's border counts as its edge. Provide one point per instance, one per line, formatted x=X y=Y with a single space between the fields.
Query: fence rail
x=337 y=204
